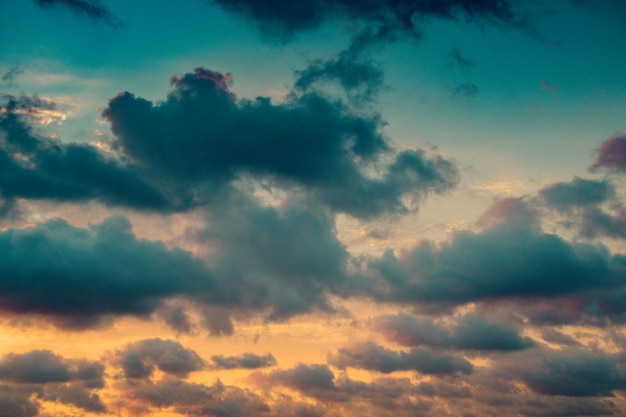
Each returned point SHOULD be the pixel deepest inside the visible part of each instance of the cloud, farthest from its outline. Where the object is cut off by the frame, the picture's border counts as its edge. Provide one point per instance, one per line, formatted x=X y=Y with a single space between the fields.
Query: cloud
x=77 y=276
x=388 y=396
x=50 y=377
x=511 y=259
x=457 y=58
x=139 y=359
x=285 y=18
x=188 y=398
x=373 y=357
x=87 y=8
x=612 y=154
x=245 y=361
x=44 y=366
x=578 y=193
x=572 y=372
x=465 y=89
x=468 y=332
x=284 y=258
x=34 y=167
x=202 y=135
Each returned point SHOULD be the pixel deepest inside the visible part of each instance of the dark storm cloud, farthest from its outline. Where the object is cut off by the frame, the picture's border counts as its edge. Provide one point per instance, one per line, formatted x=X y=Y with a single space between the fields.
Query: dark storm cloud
x=77 y=276
x=202 y=134
x=140 y=359
x=612 y=154
x=510 y=259
x=571 y=372
x=89 y=8
x=373 y=357
x=469 y=332
x=284 y=18
x=245 y=361
x=578 y=193
x=34 y=167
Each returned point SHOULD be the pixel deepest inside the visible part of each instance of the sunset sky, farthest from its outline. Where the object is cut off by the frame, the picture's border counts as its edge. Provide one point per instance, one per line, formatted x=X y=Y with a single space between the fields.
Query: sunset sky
x=315 y=208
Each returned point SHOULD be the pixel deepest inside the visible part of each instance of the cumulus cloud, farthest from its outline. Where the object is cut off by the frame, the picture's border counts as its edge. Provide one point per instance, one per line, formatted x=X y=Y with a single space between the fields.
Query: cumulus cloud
x=78 y=276
x=512 y=258
x=203 y=135
x=244 y=361
x=88 y=8
x=468 y=332
x=36 y=167
x=571 y=372
x=50 y=377
x=139 y=360
x=371 y=356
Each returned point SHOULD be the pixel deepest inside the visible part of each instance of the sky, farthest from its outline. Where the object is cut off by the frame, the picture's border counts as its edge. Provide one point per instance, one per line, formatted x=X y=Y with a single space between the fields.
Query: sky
x=268 y=208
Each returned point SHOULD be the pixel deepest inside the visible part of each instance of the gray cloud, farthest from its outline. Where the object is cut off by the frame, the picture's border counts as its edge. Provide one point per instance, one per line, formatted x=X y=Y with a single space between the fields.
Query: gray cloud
x=188 y=398
x=571 y=372
x=139 y=359
x=35 y=167
x=510 y=259
x=370 y=356
x=245 y=361
x=285 y=18
x=50 y=377
x=578 y=193
x=468 y=332
x=203 y=135
x=87 y=8
x=78 y=276
x=44 y=366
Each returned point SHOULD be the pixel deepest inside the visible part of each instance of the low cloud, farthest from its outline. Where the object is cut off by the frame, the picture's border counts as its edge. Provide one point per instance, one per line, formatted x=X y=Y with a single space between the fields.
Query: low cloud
x=139 y=360
x=373 y=357
x=245 y=361
x=468 y=332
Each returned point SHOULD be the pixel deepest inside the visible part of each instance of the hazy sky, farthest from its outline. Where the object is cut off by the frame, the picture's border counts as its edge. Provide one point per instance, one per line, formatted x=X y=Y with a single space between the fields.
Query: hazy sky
x=341 y=208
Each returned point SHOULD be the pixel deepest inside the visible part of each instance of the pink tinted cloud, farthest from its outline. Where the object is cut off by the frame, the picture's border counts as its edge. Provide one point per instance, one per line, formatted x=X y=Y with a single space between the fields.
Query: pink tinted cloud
x=612 y=153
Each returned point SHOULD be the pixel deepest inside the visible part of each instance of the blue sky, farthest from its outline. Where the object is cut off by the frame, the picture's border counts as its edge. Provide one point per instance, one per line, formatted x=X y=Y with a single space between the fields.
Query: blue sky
x=323 y=208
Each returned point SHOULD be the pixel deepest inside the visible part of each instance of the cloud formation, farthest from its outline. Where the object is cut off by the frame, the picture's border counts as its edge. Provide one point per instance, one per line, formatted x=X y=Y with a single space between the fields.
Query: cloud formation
x=45 y=375
x=244 y=361
x=203 y=135
x=373 y=357
x=36 y=167
x=468 y=332
x=139 y=360
x=285 y=18
x=612 y=154
x=87 y=8
x=76 y=277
